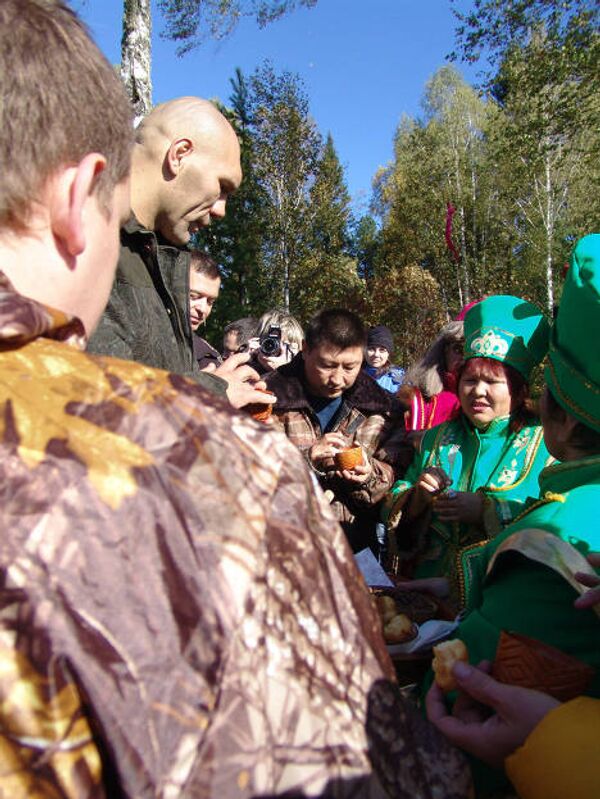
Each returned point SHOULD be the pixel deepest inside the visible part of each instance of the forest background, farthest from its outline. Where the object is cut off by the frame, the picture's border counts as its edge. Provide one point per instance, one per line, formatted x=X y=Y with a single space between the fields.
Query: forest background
x=487 y=191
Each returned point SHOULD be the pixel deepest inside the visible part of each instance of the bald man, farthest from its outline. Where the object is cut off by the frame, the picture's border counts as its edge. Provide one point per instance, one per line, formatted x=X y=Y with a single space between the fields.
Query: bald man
x=186 y=162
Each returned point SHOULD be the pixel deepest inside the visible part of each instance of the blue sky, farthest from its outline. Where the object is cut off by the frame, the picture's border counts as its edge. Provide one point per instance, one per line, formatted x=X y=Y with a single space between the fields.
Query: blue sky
x=364 y=64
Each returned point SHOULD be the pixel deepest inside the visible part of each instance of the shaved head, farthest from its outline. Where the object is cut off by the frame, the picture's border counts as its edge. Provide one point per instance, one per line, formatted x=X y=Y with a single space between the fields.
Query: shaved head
x=181 y=118
x=186 y=162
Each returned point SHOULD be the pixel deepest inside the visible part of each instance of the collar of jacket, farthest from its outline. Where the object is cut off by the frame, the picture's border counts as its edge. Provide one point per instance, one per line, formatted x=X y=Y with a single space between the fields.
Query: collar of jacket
x=165 y=265
x=134 y=228
x=289 y=386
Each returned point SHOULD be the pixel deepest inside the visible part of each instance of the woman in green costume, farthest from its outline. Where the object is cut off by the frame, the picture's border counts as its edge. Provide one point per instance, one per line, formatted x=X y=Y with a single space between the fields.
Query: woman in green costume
x=473 y=473
x=525 y=580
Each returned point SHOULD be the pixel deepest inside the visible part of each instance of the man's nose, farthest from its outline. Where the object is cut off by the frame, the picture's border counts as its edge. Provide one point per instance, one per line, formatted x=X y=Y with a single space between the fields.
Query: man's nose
x=218 y=209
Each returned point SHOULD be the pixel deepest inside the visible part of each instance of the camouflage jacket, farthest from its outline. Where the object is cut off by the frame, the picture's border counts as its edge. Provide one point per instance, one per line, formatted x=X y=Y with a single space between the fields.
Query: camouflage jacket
x=368 y=416
x=147 y=318
x=179 y=615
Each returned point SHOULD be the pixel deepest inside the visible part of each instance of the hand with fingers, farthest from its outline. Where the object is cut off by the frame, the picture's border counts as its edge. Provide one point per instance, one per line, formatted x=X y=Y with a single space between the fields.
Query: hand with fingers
x=244 y=386
x=460 y=506
x=592 y=581
x=489 y=719
x=430 y=483
x=359 y=475
x=323 y=451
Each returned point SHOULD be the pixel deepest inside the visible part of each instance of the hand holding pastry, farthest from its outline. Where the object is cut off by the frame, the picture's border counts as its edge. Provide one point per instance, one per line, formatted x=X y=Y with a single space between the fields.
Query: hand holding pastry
x=489 y=719
x=445 y=655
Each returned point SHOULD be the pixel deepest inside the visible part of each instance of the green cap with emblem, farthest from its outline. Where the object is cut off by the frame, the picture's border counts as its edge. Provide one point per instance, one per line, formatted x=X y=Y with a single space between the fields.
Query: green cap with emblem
x=507 y=329
x=573 y=370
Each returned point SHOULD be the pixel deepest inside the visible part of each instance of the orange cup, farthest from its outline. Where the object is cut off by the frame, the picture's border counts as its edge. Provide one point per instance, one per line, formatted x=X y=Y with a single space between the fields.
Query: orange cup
x=348 y=458
x=259 y=411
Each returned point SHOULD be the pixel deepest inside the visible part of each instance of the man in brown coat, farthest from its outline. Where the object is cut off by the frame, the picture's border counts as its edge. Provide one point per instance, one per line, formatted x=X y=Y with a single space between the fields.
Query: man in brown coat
x=325 y=404
x=179 y=616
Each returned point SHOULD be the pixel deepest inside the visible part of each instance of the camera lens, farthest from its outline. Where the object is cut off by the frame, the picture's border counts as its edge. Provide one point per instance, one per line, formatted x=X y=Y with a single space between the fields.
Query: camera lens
x=270 y=346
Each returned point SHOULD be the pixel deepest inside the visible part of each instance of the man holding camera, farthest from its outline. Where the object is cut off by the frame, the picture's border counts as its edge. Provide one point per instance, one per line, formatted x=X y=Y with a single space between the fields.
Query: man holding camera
x=326 y=404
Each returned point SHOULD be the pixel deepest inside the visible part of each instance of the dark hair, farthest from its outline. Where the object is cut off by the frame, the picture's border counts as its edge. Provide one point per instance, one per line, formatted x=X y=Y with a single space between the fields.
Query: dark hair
x=335 y=326
x=583 y=438
x=61 y=100
x=522 y=409
x=203 y=264
x=244 y=328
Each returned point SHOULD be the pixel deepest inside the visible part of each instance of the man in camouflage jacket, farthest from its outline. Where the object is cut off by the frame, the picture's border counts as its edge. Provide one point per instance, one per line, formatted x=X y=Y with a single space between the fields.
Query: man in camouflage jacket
x=179 y=615
x=325 y=403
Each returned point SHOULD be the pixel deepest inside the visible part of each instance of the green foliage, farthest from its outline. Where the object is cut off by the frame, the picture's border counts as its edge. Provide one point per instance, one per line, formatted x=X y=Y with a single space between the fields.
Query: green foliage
x=543 y=58
x=330 y=203
x=492 y=28
x=192 y=22
x=286 y=151
x=285 y=240
x=409 y=300
x=365 y=245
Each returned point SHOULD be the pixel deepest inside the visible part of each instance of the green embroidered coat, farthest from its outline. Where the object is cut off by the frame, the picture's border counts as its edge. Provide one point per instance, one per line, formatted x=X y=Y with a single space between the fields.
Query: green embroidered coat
x=523 y=581
x=505 y=466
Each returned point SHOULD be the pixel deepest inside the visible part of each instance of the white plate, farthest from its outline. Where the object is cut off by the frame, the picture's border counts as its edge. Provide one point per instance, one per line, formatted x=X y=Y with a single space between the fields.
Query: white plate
x=430 y=633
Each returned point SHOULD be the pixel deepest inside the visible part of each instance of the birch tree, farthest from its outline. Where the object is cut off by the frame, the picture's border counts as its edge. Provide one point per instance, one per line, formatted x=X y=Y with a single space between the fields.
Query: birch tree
x=136 y=55
x=189 y=23
x=286 y=149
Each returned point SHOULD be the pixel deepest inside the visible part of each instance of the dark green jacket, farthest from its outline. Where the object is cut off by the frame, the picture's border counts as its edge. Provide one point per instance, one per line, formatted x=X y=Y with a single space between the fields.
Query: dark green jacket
x=147 y=317
x=523 y=581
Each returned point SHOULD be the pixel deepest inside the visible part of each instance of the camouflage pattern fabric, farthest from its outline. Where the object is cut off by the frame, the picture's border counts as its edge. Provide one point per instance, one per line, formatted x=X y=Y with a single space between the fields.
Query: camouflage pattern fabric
x=179 y=613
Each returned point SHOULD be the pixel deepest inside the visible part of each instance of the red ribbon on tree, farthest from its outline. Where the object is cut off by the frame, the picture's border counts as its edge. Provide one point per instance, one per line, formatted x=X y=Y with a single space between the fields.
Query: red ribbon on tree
x=450 y=211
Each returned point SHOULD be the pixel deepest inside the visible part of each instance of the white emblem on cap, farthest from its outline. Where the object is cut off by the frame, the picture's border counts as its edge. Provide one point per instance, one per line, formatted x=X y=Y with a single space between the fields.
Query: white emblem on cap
x=491 y=344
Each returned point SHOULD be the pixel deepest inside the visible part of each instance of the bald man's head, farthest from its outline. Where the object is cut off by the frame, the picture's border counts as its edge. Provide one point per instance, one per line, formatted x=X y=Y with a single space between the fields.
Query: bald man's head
x=186 y=163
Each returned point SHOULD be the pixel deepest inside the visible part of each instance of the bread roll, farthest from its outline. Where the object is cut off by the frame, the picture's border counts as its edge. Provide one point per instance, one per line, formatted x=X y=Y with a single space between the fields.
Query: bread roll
x=399 y=629
x=386 y=607
x=445 y=655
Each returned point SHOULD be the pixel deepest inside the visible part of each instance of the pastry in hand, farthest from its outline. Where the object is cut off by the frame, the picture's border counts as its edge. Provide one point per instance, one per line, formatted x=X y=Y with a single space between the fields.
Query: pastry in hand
x=399 y=629
x=445 y=655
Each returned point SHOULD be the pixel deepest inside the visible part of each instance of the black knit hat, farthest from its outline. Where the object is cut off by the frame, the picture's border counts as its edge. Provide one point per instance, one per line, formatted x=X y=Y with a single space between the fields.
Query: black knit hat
x=380 y=336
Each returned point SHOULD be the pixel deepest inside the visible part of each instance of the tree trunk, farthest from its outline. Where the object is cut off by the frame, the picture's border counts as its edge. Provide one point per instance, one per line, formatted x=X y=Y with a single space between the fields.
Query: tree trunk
x=549 y=236
x=465 y=295
x=136 y=55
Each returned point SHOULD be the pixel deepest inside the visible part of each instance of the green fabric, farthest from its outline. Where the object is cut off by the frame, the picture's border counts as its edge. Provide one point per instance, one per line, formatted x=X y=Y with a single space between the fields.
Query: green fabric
x=524 y=596
x=507 y=329
x=505 y=466
x=573 y=370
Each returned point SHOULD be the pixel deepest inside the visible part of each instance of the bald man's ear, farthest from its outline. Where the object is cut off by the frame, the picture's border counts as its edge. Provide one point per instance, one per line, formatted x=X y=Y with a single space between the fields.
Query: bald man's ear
x=70 y=190
x=178 y=150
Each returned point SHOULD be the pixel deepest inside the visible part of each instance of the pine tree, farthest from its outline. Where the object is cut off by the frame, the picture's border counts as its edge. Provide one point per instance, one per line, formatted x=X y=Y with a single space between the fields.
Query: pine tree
x=330 y=203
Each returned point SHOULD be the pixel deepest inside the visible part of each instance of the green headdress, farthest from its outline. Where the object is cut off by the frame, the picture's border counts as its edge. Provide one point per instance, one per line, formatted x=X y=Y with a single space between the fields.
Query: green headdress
x=507 y=329
x=573 y=370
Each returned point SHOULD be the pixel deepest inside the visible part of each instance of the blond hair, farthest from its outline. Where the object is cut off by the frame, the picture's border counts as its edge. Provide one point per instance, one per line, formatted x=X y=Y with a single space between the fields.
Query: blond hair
x=291 y=329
